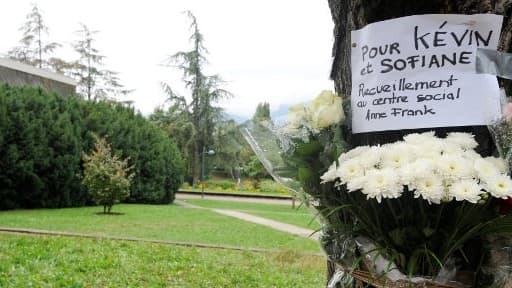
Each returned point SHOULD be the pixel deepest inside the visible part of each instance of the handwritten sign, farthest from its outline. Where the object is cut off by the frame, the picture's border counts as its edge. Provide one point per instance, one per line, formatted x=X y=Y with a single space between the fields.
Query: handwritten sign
x=419 y=72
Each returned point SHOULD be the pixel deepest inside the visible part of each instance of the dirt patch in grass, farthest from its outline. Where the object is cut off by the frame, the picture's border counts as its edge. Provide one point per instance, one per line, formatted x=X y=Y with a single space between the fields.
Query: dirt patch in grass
x=109 y=213
x=298 y=259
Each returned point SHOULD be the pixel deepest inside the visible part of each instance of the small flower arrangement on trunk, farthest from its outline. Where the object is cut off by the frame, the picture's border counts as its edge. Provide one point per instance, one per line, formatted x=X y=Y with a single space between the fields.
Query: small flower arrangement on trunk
x=502 y=132
x=421 y=211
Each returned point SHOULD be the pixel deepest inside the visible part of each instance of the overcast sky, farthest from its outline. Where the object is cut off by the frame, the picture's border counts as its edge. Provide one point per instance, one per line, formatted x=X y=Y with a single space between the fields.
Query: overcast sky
x=277 y=51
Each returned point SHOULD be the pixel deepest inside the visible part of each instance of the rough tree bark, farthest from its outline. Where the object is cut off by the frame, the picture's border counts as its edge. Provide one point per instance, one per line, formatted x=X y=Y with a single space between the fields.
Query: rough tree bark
x=350 y=15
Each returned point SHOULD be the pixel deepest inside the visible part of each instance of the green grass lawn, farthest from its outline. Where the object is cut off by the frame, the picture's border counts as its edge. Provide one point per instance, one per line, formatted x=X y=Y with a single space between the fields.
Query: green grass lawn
x=33 y=261
x=300 y=216
x=162 y=222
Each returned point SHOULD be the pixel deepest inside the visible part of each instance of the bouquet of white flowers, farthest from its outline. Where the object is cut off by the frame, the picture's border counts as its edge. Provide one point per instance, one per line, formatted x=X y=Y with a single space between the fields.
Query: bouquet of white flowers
x=425 y=201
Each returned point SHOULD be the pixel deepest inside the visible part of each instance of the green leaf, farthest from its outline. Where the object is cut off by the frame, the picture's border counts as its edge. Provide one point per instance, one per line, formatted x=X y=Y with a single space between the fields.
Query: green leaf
x=502 y=224
x=308 y=149
x=397 y=235
x=306 y=174
x=427 y=231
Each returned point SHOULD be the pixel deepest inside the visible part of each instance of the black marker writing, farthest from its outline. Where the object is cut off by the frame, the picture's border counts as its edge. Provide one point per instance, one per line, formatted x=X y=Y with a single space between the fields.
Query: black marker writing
x=426 y=40
x=426 y=61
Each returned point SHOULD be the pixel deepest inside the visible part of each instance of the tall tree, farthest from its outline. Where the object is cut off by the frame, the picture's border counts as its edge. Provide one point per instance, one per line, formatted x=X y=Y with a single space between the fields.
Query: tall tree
x=34 y=49
x=94 y=81
x=349 y=15
x=229 y=143
x=262 y=112
x=176 y=121
x=205 y=91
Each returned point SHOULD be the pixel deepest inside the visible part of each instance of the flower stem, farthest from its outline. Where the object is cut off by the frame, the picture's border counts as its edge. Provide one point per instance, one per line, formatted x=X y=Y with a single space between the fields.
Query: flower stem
x=393 y=212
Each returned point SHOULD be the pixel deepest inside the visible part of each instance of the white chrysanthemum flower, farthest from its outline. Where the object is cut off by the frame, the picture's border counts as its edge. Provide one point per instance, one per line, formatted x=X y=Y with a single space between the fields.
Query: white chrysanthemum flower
x=500 y=186
x=430 y=187
x=471 y=155
x=420 y=138
x=396 y=156
x=465 y=141
x=467 y=190
x=331 y=174
x=499 y=163
x=371 y=158
x=425 y=151
x=485 y=169
x=455 y=167
x=410 y=172
x=349 y=170
x=356 y=183
x=353 y=153
x=429 y=148
x=450 y=148
x=382 y=184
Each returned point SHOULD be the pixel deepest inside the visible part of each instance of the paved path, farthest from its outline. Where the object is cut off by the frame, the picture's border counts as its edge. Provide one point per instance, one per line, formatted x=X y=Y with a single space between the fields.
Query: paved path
x=299 y=231
x=284 y=227
x=236 y=198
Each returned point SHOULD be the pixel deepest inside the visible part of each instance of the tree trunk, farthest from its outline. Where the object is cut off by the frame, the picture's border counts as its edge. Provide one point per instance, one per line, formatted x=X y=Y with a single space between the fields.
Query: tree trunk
x=196 y=163
x=351 y=15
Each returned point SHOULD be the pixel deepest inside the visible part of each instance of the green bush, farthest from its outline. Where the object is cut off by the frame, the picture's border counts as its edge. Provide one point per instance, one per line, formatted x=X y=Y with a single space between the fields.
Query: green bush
x=157 y=164
x=270 y=186
x=227 y=185
x=106 y=176
x=43 y=135
x=39 y=149
x=248 y=185
x=220 y=185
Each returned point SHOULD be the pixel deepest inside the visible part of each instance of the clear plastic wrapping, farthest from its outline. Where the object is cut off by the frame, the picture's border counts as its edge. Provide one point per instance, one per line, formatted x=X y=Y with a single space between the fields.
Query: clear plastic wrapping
x=342 y=251
x=338 y=247
x=501 y=130
x=499 y=266
x=489 y=61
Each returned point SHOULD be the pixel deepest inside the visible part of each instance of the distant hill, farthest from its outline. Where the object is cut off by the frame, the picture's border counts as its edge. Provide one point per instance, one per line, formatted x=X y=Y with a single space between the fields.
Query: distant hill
x=278 y=115
x=238 y=118
x=281 y=111
x=281 y=114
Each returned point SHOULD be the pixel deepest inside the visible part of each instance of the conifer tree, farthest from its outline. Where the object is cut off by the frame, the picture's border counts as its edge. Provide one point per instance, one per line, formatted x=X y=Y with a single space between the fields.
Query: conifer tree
x=262 y=112
x=94 y=81
x=176 y=121
x=34 y=48
x=205 y=91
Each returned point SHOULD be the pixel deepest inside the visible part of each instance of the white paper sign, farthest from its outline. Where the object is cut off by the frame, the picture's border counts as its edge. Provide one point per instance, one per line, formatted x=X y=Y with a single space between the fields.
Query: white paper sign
x=419 y=72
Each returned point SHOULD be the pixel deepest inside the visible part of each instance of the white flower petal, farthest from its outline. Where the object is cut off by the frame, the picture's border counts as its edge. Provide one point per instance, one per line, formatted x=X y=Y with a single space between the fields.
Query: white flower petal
x=466 y=190
x=330 y=175
x=500 y=186
x=463 y=140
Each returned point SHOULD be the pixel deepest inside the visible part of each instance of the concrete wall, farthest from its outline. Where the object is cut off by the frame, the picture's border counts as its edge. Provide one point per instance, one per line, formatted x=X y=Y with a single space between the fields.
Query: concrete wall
x=18 y=74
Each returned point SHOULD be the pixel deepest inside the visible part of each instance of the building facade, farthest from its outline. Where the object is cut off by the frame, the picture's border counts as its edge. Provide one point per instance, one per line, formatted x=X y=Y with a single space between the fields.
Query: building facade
x=19 y=74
